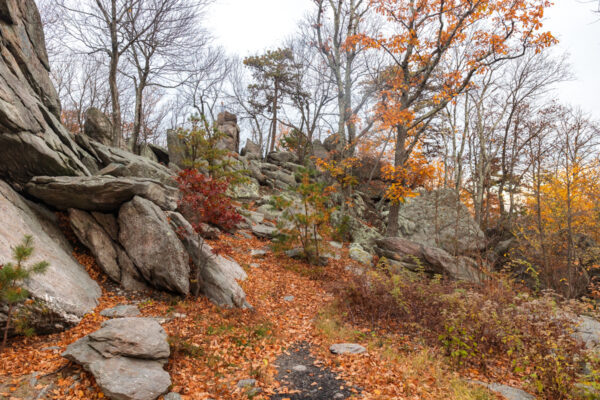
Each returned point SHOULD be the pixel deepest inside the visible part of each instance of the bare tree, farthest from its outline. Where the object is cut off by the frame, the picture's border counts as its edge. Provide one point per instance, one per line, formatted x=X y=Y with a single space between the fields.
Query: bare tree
x=101 y=27
x=333 y=23
x=163 y=35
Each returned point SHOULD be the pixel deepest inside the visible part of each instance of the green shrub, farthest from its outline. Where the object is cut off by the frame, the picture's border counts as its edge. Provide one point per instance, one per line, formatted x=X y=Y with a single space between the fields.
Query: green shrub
x=12 y=276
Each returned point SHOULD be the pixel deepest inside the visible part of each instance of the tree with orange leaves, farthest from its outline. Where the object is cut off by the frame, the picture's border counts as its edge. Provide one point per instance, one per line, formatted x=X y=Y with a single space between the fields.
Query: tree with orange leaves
x=421 y=80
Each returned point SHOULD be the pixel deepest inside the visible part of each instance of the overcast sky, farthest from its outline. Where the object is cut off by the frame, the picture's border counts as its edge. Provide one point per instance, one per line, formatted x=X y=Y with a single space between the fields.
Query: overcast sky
x=246 y=27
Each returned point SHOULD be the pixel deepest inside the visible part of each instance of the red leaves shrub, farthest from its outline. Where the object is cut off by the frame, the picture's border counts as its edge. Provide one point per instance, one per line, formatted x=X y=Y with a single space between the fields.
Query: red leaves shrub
x=204 y=201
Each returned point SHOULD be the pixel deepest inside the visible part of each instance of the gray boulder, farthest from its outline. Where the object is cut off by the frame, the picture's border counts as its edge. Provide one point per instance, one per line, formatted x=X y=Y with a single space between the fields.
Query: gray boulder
x=281 y=157
x=587 y=330
x=32 y=140
x=177 y=150
x=99 y=193
x=347 y=348
x=122 y=163
x=439 y=219
x=153 y=246
x=97 y=126
x=123 y=311
x=251 y=151
x=126 y=357
x=65 y=292
x=227 y=124
x=131 y=337
x=95 y=238
x=414 y=256
x=215 y=276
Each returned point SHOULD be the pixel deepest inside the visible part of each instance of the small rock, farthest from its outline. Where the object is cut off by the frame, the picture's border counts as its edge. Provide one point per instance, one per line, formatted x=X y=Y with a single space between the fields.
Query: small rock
x=179 y=315
x=258 y=253
x=172 y=396
x=347 y=348
x=339 y=396
x=510 y=393
x=336 y=245
x=246 y=383
x=122 y=311
x=300 y=368
x=264 y=231
x=357 y=253
x=288 y=298
x=295 y=253
x=254 y=265
x=254 y=391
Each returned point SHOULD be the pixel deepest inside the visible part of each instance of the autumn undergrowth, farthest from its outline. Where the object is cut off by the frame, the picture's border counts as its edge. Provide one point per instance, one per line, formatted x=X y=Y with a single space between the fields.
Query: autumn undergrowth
x=492 y=327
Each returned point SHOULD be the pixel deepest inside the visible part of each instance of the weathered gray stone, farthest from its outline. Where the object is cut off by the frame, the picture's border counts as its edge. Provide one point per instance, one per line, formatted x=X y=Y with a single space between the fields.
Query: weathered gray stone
x=347 y=348
x=264 y=231
x=123 y=311
x=122 y=163
x=281 y=157
x=140 y=338
x=357 y=253
x=97 y=126
x=172 y=396
x=32 y=140
x=99 y=193
x=126 y=357
x=587 y=330
x=246 y=383
x=95 y=238
x=430 y=259
x=439 y=219
x=153 y=246
x=509 y=393
x=215 y=276
x=65 y=292
x=227 y=124
x=251 y=151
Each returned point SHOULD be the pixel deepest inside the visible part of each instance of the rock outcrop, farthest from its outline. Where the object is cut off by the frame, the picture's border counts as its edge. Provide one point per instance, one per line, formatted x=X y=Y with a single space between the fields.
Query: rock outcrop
x=65 y=292
x=415 y=256
x=439 y=219
x=32 y=140
x=126 y=357
x=99 y=193
x=227 y=123
x=97 y=126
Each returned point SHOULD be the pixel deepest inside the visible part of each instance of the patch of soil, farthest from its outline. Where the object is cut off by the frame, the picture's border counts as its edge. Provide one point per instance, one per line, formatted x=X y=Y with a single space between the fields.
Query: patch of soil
x=302 y=378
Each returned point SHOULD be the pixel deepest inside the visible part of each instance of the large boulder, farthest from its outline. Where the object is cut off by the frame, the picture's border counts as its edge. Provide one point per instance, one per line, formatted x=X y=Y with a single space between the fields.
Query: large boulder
x=215 y=276
x=147 y=237
x=32 y=140
x=439 y=219
x=126 y=357
x=99 y=233
x=65 y=292
x=97 y=126
x=415 y=256
x=251 y=151
x=100 y=193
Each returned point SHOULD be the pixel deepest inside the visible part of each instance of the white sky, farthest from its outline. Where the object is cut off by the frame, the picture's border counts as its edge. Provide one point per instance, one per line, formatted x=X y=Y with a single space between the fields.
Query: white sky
x=246 y=27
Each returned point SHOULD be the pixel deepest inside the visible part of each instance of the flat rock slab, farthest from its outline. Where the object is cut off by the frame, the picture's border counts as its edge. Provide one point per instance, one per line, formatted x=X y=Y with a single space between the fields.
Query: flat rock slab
x=126 y=357
x=297 y=372
x=99 y=193
x=508 y=392
x=123 y=311
x=131 y=337
x=347 y=348
x=264 y=231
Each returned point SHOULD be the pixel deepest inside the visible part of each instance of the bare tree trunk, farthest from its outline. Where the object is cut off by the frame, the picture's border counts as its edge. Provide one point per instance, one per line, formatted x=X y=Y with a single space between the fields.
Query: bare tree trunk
x=399 y=160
